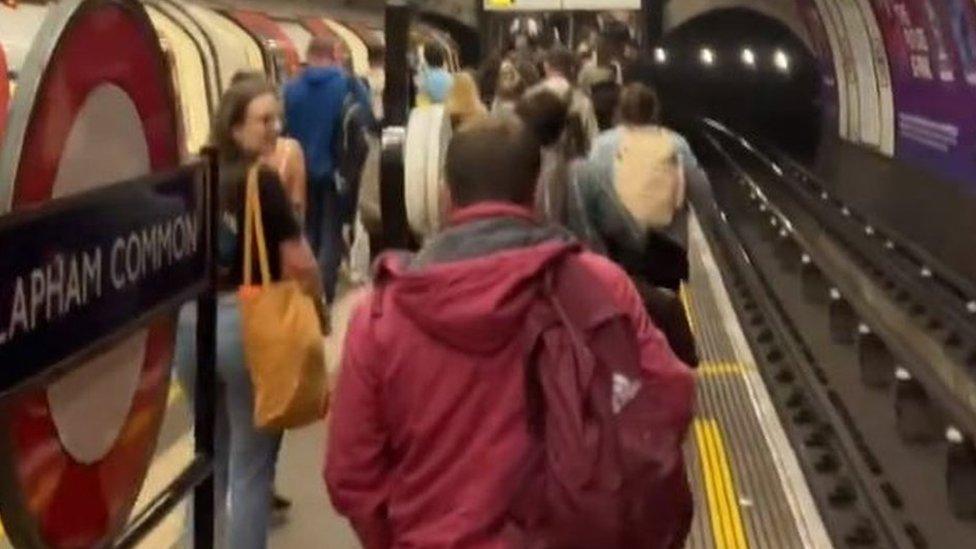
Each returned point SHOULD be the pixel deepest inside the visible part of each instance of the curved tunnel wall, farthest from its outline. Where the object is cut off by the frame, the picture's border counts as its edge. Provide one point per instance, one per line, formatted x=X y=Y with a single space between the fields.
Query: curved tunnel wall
x=895 y=86
x=678 y=12
x=898 y=81
x=748 y=71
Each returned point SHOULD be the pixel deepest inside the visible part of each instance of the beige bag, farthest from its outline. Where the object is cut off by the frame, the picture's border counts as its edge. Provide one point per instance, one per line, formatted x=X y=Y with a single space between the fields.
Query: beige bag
x=648 y=177
x=284 y=347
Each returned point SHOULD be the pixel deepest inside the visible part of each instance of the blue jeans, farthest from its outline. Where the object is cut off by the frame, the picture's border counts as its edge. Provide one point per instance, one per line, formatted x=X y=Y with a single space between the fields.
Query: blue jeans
x=244 y=464
x=324 y=228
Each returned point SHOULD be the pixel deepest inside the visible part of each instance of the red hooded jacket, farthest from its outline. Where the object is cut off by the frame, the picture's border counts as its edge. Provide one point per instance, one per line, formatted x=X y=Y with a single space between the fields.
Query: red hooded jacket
x=429 y=438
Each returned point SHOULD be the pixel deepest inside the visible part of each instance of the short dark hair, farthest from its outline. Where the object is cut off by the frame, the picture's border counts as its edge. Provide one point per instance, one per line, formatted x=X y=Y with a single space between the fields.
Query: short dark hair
x=562 y=60
x=322 y=47
x=639 y=105
x=434 y=55
x=495 y=158
x=545 y=113
x=528 y=70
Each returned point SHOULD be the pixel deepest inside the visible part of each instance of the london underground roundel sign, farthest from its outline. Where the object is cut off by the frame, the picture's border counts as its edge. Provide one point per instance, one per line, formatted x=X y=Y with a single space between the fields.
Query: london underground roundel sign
x=94 y=106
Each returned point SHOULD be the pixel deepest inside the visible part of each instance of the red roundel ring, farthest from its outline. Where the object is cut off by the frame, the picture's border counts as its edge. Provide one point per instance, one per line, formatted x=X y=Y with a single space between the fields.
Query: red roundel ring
x=264 y=26
x=49 y=496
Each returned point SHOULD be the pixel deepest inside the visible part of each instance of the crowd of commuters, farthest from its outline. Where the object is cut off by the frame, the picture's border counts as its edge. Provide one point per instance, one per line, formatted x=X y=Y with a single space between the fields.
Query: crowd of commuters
x=479 y=372
x=521 y=380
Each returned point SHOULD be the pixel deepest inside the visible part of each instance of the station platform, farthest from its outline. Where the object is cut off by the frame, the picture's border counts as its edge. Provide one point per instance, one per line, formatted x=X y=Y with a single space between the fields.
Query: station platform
x=749 y=488
x=858 y=318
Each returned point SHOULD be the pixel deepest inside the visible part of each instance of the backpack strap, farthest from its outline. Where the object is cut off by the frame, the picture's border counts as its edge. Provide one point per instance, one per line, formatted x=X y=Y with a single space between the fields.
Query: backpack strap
x=588 y=309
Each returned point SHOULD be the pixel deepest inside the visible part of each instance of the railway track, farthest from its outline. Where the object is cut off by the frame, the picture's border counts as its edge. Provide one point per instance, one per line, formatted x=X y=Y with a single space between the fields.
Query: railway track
x=866 y=350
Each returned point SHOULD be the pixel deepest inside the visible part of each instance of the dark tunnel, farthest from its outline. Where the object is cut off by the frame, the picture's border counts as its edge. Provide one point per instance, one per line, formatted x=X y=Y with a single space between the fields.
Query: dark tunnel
x=746 y=70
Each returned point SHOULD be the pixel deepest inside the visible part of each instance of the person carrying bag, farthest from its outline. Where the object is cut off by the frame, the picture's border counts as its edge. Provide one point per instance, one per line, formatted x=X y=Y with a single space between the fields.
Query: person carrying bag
x=284 y=345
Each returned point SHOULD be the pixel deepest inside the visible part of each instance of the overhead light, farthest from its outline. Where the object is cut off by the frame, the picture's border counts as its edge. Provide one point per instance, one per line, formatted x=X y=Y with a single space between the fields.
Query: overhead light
x=748 y=57
x=781 y=60
x=660 y=55
x=707 y=56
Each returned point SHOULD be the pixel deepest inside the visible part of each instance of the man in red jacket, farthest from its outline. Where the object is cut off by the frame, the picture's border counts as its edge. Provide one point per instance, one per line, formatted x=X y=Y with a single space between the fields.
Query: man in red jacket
x=429 y=437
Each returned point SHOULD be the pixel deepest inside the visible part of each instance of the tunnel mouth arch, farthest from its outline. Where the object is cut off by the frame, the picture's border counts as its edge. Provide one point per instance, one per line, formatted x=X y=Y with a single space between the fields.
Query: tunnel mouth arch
x=748 y=70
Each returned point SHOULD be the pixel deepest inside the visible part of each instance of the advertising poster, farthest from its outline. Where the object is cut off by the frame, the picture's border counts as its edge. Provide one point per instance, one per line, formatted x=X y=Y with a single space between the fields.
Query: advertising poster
x=932 y=55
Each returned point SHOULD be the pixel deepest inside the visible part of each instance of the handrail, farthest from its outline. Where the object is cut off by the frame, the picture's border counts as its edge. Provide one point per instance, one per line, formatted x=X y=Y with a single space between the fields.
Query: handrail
x=952 y=282
x=916 y=280
x=740 y=271
x=928 y=360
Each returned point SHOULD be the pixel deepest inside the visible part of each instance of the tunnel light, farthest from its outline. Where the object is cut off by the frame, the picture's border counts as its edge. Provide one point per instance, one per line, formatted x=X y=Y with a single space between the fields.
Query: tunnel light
x=748 y=57
x=781 y=60
x=954 y=435
x=707 y=57
x=660 y=55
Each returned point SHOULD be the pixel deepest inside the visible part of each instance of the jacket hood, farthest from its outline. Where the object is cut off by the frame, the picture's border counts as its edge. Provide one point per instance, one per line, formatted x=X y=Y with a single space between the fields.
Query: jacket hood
x=323 y=75
x=471 y=287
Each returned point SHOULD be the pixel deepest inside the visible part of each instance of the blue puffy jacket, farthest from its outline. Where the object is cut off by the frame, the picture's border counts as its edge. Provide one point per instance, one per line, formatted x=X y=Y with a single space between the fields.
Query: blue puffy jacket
x=313 y=108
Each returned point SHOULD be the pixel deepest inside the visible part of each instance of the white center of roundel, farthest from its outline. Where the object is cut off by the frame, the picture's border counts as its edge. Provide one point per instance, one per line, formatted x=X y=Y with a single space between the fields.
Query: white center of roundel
x=90 y=405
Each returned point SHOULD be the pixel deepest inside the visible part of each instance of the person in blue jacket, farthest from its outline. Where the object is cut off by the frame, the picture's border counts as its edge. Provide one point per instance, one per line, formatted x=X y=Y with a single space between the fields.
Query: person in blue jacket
x=314 y=105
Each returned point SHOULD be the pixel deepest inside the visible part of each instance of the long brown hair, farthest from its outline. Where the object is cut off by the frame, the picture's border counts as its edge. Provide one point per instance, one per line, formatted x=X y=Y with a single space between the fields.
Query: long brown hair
x=232 y=112
x=639 y=105
x=464 y=101
x=234 y=161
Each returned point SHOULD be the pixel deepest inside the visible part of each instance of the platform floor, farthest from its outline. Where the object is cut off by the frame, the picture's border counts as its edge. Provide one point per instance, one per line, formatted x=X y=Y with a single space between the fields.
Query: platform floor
x=748 y=486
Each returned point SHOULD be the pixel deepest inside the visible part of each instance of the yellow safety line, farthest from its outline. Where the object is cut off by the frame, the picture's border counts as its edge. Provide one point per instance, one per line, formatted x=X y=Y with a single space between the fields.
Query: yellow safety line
x=726 y=467
x=722 y=529
x=723 y=503
x=703 y=464
x=717 y=368
x=175 y=394
x=685 y=295
x=715 y=512
x=723 y=488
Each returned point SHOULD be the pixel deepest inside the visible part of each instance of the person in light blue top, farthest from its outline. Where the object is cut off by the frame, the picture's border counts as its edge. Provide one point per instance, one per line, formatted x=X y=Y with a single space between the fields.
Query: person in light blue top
x=605 y=147
x=600 y=218
x=435 y=81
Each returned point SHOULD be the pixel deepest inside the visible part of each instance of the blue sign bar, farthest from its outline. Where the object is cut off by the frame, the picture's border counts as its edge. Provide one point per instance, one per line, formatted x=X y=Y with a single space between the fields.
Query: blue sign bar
x=81 y=268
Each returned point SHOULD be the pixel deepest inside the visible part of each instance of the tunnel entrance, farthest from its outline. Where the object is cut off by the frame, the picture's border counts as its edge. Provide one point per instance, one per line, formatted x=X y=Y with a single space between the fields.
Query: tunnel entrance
x=746 y=70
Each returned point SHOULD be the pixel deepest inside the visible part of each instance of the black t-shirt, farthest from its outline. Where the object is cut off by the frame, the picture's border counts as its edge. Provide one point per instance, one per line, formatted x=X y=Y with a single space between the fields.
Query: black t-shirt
x=276 y=213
